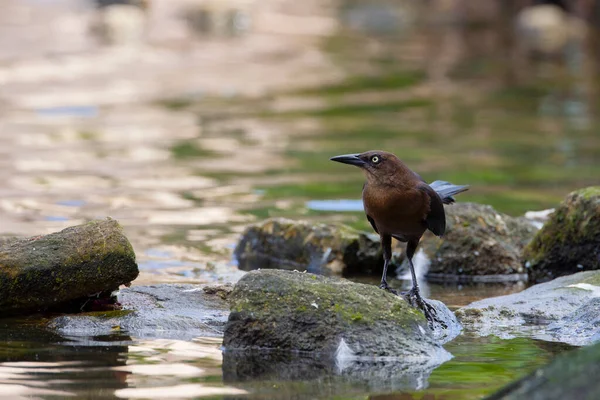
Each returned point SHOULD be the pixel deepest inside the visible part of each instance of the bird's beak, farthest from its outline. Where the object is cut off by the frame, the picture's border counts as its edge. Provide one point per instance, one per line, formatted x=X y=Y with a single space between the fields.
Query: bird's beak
x=351 y=159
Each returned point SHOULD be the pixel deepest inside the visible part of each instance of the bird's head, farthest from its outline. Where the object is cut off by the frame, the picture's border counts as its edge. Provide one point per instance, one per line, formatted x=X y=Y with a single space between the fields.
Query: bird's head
x=373 y=162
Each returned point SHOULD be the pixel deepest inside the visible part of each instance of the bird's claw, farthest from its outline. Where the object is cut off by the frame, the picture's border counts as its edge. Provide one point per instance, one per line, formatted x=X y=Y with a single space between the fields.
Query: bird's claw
x=386 y=287
x=414 y=298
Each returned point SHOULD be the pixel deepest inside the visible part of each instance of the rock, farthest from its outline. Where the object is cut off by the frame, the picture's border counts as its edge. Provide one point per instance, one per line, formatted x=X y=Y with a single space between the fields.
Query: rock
x=580 y=327
x=318 y=248
x=480 y=245
x=45 y=272
x=166 y=311
x=571 y=375
x=569 y=241
x=539 y=218
x=295 y=374
x=221 y=290
x=561 y=310
x=342 y=320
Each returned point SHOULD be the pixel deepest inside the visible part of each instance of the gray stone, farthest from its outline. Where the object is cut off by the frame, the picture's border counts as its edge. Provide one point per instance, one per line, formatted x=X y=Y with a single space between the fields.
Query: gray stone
x=318 y=248
x=480 y=245
x=180 y=311
x=570 y=241
x=560 y=310
x=580 y=327
x=64 y=268
x=287 y=310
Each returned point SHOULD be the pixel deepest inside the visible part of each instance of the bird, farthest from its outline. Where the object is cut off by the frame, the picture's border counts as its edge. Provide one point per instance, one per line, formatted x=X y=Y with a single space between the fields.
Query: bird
x=399 y=204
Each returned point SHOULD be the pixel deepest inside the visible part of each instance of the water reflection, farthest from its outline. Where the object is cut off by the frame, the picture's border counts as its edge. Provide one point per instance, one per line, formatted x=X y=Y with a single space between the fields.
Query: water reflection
x=282 y=375
x=479 y=367
x=34 y=362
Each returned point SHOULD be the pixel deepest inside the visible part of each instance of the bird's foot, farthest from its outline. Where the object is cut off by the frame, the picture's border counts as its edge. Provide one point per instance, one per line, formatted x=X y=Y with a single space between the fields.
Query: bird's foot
x=414 y=298
x=385 y=286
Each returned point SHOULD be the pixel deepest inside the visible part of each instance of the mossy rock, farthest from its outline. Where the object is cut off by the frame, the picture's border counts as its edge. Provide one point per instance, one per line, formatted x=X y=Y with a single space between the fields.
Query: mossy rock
x=480 y=244
x=45 y=272
x=304 y=246
x=571 y=375
x=287 y=310
x=570 y=241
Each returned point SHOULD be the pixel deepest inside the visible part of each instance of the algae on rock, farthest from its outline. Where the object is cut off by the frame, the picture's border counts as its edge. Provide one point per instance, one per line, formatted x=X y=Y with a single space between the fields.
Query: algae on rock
x=480 y=244
x=319 y=248
x=46 y=271
x=570 y=241
x=287 y=310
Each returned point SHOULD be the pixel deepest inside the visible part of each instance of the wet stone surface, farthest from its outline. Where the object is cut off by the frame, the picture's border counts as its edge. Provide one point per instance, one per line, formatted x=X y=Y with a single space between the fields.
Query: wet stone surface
x=61 y=270
x=560 y=310
x=295 y=311
x=327 y=249
x=174 y=311
x=480 y=245
x=287 y=325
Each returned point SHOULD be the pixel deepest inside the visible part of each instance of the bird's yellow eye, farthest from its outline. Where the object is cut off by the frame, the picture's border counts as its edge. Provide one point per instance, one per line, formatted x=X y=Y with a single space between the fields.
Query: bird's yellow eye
x=375 y=159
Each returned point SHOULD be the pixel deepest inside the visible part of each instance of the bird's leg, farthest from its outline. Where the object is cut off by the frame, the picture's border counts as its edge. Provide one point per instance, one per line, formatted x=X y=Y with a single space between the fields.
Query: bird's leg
x=413 y=296
x=386 y=244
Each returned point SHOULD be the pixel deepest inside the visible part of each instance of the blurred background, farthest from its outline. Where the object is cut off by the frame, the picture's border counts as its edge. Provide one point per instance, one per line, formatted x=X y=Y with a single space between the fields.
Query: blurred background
x=188 y=119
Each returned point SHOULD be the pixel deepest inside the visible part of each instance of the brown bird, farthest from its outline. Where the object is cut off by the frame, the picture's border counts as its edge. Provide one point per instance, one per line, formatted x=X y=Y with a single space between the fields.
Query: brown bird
x=400 y=204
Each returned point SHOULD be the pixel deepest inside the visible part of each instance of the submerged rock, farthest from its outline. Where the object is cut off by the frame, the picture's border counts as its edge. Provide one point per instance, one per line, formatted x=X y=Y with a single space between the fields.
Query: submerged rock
x=342 y=320
x=480 y=244
x=63 y=268
x=318 y=248
x=561 y=310
x=570 y=241
x=158 y=311
x=572 y=375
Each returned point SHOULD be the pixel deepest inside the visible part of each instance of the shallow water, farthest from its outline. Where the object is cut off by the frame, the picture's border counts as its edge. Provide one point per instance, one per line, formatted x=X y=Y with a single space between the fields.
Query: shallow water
x=189 y=136
x=41 y=365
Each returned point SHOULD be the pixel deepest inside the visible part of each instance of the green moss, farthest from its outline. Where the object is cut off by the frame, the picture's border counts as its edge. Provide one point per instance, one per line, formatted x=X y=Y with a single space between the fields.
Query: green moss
x=109 y=314
x=589 y=192
x=356 y=317
x=361 y=303
x=575 y=221
x=301 y=308
x=74 y=263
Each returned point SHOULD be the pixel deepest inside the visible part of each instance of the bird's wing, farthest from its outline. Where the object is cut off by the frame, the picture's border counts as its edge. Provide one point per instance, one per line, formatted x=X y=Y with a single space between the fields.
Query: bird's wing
x=436 y=217
x=372 y=221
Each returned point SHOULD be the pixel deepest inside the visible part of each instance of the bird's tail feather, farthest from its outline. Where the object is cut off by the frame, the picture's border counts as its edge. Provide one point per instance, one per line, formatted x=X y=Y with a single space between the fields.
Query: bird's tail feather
x=446 y=190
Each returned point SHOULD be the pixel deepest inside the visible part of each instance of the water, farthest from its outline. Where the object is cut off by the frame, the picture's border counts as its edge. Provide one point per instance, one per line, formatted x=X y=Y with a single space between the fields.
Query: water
x=38 y=364
x=188 y=137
